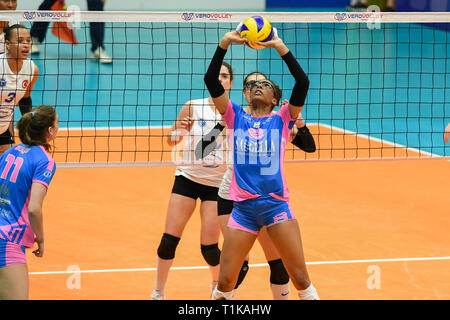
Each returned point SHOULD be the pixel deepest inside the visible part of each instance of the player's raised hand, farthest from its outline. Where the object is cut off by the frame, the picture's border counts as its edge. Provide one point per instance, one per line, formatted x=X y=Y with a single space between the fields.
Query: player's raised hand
x=186 y=124
x=231 y=37
x=275 y=43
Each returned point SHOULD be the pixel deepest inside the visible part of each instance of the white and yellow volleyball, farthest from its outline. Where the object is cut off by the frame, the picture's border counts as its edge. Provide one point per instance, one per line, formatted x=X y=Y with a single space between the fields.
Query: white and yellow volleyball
x=256 y=28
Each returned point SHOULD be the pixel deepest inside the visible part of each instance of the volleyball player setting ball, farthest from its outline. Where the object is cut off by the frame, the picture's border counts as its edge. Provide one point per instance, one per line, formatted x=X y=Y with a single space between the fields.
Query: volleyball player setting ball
x=301 y=138
x=259 y=191
x=18 y=74
x=26 y=171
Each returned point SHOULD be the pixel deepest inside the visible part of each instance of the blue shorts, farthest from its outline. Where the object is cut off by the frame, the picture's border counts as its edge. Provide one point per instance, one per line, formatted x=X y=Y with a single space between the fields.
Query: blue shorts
x=11 y=253
x=253 y=214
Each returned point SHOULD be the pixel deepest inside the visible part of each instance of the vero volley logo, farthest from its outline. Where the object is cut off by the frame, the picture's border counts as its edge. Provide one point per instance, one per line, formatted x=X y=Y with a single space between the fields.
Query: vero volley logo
x=340 y=16
x=189 y=16
x=29 y=15
x=57 y=15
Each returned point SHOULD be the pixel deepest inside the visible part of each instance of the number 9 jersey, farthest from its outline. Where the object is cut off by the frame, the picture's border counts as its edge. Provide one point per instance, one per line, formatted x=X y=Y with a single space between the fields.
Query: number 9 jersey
x=20 y=166
x=12 y=88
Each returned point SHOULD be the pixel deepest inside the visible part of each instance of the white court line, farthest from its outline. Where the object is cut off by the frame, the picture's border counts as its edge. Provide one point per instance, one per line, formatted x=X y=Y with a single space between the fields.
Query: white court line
x=251 y=265
x=364 y=136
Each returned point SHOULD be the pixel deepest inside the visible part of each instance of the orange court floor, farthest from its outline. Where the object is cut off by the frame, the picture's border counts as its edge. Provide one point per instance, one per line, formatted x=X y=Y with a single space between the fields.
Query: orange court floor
x=370 y=230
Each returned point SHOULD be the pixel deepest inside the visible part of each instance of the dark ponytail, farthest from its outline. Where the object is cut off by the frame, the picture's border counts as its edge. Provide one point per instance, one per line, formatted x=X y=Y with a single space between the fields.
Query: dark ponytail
x=9 y=30
x=33 y=126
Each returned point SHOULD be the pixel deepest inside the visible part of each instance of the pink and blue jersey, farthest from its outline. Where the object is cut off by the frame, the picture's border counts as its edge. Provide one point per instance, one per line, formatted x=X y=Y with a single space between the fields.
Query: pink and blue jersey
x=20 y=166
x=258 y=145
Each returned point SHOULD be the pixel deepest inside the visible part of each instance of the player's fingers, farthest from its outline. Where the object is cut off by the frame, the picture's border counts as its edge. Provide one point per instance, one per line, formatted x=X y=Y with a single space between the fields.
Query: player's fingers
x=275 y=32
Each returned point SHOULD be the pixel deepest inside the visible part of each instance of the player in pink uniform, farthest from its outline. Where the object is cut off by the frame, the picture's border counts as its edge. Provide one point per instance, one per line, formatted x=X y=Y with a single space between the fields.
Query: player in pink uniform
x=25 y=174
x=258 y=185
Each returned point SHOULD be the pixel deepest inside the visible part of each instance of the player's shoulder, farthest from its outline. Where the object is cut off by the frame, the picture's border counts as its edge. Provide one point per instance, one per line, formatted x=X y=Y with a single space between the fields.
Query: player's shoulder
x=236 y=107
x=37 y=153
x=199 y=102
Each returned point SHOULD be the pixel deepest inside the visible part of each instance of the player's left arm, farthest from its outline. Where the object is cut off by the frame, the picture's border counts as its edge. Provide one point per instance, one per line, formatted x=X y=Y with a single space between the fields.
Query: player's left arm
x=301 y=137
x=25 y=104
x=301 y=86
x=37 y=195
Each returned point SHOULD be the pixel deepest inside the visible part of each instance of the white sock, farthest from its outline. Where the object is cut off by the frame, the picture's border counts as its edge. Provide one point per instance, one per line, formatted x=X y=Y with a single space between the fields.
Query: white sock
x=280 y=291
x=309 y=293
x=217 y=294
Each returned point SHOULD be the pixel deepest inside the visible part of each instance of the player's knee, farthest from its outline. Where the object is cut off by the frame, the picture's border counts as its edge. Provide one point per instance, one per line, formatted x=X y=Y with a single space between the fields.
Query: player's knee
x=211 y=254
x=278 y=273
x=242 y=274
x=167 y=246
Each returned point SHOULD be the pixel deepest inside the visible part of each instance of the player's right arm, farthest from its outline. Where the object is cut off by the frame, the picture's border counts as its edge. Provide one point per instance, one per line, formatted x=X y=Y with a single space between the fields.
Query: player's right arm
x=301 y=86
x=215 y=88
x=181 y=126
x=37 y=195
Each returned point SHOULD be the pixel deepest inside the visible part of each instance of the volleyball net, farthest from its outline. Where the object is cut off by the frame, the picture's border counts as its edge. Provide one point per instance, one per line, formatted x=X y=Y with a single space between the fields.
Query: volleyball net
x=379 y=82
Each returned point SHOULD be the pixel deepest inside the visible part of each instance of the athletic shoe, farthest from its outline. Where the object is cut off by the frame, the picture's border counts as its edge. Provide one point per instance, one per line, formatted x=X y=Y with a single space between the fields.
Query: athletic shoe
x=101 y=56
x=156 y=295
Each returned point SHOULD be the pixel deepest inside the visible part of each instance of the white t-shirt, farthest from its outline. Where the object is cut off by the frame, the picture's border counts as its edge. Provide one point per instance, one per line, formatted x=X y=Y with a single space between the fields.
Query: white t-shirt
x=13 y=87
x=213 y=169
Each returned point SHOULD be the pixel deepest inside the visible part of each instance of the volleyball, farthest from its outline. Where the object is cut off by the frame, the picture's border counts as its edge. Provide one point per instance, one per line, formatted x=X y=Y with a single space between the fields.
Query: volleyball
x=256 y=28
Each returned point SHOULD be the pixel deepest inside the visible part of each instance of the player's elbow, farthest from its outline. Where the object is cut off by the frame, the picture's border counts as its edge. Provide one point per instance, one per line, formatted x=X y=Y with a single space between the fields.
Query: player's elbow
x=34 y=210
x=304 y=85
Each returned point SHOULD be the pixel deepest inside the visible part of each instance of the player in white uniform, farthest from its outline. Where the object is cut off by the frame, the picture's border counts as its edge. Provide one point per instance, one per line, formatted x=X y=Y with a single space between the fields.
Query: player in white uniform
x=196 y=119
x=18 y=74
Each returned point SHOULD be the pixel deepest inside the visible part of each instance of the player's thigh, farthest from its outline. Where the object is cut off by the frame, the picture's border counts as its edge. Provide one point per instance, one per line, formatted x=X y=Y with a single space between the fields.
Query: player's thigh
x=178 y=214
x=223 y=222
x=236 y=246
x=210 y=227
x=14 y=282
x=270 y=251
x=287 y=239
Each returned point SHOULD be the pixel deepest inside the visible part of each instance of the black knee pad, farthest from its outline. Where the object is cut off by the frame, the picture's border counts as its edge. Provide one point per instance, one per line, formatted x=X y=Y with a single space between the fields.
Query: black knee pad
x=211 y=254
x=167 y=247
x=242 y=274
x=278 y=273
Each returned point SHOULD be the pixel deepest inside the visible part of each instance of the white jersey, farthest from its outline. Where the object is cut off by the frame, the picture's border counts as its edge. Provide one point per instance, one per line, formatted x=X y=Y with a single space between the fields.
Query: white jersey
x=224 y=188
x=213 y=169
x=12 y=88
